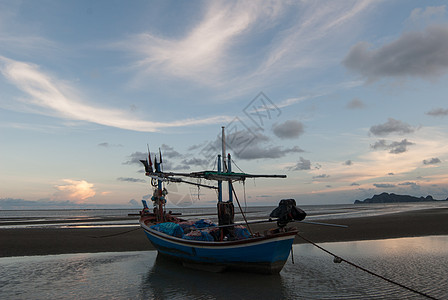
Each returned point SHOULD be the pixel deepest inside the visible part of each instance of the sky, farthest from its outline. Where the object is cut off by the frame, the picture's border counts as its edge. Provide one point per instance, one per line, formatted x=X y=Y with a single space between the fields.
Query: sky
x=346 y=98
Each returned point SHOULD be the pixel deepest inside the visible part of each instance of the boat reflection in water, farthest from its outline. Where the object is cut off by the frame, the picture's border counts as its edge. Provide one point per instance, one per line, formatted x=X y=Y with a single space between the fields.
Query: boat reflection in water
x=168 y=280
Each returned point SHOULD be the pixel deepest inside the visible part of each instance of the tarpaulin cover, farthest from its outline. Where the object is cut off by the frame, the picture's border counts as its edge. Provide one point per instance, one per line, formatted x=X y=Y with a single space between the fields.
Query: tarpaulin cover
x=241 y=232
x=199 y=235
x=169 y=228
x=204 y=223
x=187 y=226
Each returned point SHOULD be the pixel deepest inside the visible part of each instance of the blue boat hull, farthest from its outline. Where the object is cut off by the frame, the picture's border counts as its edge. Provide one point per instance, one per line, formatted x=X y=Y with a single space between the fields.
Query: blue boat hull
x=259 y=254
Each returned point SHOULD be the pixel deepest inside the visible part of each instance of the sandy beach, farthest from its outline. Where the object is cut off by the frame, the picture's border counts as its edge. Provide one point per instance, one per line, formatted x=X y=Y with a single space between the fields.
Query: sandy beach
x=44 y=241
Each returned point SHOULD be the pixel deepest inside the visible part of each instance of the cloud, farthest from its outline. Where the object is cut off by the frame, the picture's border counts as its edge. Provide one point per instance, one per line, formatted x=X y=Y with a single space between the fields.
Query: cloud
x=355 y=104
x=384 y=185
x=429 y=13
x=291 y=101
x=197 y=146
x=195 y=162
x=317 y=23
x=348 y=162
x=288 y=130
x=354 y=184
x=399 y=147
x=201 y=54
x=213 y=49
x=432 y=161
x=438 y=112
x=134 y=158
x=76 y=190
x=53 y=97
x=394 y=147
x=108 y=145
x=321 y=176
x=129 y=179
x=391 y=126
x=169 y=152
x=302 y=164
x=247 y=144
x=255 y=152
x=409 y=183
x=414 y=54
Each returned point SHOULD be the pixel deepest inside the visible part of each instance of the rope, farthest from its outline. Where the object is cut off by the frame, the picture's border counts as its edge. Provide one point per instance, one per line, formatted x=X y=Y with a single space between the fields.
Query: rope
x=237 y=166
x=214 y=163
x=245 y=202
x=115 y=234
x=340 y=259
x=199 y=187
x=241 y=210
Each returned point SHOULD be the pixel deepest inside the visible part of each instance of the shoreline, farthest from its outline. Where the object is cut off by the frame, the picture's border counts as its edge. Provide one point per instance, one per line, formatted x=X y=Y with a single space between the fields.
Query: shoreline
x=47 y=241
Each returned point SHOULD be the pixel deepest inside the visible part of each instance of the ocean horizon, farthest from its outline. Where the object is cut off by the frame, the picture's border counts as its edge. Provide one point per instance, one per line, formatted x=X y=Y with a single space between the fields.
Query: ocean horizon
x=72 y=218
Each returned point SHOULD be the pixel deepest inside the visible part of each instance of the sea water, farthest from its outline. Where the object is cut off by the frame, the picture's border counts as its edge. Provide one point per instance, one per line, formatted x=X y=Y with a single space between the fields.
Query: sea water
x=129 y=217
x=420 y=263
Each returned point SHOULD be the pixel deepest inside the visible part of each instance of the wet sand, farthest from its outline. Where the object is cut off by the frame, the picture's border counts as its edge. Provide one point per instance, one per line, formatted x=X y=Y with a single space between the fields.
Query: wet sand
x=44 y=241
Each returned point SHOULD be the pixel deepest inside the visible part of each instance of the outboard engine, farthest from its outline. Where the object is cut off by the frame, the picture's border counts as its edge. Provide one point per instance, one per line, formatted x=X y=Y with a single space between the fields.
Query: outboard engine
x=286 y=212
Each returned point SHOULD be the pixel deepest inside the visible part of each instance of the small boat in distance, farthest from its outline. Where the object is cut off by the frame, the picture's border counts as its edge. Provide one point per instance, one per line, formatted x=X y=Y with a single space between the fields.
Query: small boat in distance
x=204 y=245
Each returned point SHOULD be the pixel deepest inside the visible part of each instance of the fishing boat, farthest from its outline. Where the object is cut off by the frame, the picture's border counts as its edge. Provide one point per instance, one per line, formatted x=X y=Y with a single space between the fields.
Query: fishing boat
x=217 y=247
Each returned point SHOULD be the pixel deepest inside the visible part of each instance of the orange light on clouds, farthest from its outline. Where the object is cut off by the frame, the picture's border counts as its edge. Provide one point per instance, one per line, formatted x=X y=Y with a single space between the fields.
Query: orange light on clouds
x=75 y=190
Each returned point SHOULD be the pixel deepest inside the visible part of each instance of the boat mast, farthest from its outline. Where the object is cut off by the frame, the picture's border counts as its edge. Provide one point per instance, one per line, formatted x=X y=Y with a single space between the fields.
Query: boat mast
x=229 y=170
x=223 y=147
x=219 y=181
x=159 y=194
x=225 y=208
x=226 y=166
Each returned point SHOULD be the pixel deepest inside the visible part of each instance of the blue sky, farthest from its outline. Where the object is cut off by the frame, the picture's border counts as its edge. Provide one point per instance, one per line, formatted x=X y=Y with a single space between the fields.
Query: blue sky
x=347 y=98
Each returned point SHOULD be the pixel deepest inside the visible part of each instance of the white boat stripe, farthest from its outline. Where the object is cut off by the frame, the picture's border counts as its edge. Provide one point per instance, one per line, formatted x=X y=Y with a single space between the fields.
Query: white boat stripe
x=204 y=244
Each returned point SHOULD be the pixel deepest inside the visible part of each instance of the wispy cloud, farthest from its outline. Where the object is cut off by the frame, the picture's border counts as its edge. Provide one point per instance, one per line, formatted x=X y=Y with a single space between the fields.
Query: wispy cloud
x=214 y=52
x=50 y=96
x=202 y=53
x=438 y=112
x=316 y=23
x=109 y=145
x=427 y=14
x=130 y=179
x=384 y=185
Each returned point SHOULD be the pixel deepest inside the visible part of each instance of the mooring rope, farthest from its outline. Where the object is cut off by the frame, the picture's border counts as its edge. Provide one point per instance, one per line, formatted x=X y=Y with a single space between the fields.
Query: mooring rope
x=115 y=234
x=339 y=259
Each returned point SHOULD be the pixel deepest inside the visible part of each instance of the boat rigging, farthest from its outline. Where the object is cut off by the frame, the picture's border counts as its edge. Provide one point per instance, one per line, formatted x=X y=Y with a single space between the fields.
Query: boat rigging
x=226 y=245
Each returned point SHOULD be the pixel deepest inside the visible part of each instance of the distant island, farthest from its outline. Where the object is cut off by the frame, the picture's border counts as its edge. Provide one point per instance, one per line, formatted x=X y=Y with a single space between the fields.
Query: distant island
x=394 y=198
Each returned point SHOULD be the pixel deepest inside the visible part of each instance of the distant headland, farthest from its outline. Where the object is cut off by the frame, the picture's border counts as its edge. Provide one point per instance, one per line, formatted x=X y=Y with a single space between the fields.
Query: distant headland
x=394 y=198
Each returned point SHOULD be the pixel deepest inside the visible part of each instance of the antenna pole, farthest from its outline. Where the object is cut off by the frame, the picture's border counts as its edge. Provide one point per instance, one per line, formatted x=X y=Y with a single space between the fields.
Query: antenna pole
x=223 y=145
